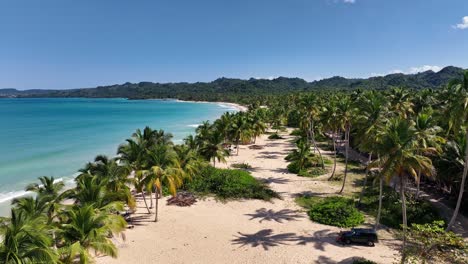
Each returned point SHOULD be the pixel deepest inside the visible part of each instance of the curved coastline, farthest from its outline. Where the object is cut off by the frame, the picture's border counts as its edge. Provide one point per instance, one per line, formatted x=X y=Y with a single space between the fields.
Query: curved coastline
x=7 y=196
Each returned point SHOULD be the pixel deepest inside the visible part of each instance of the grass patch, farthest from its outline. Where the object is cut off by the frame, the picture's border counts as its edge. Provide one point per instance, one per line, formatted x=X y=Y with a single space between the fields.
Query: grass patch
x=244 y=166
x=312 y=172
x=418 y=211
x=230 y=184
x=334 y=211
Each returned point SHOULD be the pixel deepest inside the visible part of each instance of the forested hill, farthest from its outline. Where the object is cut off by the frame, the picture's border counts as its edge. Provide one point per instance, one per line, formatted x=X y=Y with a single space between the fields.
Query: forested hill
x=226 y=89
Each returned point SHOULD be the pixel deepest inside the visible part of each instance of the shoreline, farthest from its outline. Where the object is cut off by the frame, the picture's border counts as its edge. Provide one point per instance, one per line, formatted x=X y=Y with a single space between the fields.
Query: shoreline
x=238 y=107
x=7 y=197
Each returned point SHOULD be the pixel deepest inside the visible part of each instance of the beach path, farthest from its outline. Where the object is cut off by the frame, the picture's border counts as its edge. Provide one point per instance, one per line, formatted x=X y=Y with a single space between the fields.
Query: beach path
x=246 y=231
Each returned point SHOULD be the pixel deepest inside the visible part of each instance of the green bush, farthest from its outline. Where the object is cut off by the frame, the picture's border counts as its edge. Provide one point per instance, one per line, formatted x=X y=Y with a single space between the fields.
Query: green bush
x=243 y=165
x=298 y=133
x=229 y=184
x=294 y=167
x=336 y=211
x=418 y=211
x=275 y=136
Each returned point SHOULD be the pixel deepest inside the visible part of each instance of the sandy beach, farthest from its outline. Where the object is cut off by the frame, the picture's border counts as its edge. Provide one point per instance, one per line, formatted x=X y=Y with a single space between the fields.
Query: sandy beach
x=246 y=231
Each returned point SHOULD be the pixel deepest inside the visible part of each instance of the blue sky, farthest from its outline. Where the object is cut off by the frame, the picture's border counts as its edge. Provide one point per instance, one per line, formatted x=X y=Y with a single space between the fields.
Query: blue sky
x=72 y=44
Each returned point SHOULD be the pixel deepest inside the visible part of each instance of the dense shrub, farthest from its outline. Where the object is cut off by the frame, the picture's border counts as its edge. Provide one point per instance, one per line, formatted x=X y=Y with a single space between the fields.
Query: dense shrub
x=418 y=211
x=298 y=133
x=275 y=136
x=229 y=184
x=294 y=167
x=336 y=211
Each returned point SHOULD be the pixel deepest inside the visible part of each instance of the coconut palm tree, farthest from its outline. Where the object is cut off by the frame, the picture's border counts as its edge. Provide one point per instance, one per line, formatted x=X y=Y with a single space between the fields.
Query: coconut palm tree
x=85 y=228
x=329 y=120
x=427 y=136
x=165 y=170
x=345 y=115
x=369 y=121
x=399 y=155
x=26 y=239
x=458 y=117
x=212 y=148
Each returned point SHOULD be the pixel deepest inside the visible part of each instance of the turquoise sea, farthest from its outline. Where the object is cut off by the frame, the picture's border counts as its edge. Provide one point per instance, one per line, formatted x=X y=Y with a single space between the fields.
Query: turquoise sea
x=56 y=137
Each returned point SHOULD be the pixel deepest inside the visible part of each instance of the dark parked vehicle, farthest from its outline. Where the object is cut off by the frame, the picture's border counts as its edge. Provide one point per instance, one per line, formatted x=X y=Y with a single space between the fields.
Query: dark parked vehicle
x=358 y=235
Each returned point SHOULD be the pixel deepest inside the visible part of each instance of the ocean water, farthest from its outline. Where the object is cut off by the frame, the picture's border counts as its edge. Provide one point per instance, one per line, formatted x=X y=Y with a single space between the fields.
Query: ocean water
x=56 y=137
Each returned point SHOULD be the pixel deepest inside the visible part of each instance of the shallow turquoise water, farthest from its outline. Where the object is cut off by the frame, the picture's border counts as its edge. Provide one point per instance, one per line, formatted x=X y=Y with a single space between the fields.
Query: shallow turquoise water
x=55 y=137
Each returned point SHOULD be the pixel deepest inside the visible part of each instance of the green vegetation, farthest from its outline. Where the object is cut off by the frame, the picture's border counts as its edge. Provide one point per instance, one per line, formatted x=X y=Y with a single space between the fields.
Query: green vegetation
x=243 y=91
x=312 y=172
x=335 y=211
x=418 y=211
x=229 y=184
x=430 y=243
x=407 y=136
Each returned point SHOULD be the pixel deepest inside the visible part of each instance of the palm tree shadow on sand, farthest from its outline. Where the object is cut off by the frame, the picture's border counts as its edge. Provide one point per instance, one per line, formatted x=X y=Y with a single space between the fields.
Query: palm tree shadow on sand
x=264 y=238
x=279 y=216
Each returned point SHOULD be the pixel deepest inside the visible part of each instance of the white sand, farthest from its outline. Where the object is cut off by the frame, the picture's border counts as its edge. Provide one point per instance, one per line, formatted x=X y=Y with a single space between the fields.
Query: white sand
x=246 y=231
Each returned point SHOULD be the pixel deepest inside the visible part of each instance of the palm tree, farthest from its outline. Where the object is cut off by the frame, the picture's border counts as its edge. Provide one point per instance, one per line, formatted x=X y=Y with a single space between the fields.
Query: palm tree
x=400 y=156
x=345 y=115
x=212 y=148
x=87 y=228
x=49 y=193
x=329 y=119
x=165 y=170
x=427 y=136
x=301 y=155
x=458 y=116
x=26 y=239
x=369 y=121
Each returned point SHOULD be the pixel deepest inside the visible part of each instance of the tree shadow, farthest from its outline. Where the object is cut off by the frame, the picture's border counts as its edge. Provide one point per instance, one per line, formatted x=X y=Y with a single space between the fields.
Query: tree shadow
x=275 y=180
x=280 y=170
x=264 y=238
x=279 y=216
x=307 y=194
x=268 y=156
x=319 y=239
x=140 y=219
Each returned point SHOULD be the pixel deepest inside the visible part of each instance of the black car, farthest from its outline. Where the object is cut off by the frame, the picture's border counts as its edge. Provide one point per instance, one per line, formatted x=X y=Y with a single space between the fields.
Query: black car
x=358 y=235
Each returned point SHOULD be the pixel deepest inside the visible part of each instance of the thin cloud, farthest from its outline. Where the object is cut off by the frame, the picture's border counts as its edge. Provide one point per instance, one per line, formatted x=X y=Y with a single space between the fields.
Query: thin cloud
x=464 y=23
x=349 y=1
x=412 y=70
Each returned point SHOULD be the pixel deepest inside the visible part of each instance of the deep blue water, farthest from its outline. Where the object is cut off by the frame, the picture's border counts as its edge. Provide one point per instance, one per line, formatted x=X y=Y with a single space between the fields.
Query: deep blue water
x=56 y=137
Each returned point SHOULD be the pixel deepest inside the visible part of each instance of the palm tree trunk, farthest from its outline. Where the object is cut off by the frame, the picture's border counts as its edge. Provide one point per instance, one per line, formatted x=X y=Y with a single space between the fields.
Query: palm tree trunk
x=237 y=146
x=403 y=212
x=214 y=162
x=462 y=188
x=365 y=179
x=315 y=146
x=334 y=158
x=418 y=184
x=156 y=204
x=144 y=200
x=151 y=199
x=346 y=158
x=379 y=211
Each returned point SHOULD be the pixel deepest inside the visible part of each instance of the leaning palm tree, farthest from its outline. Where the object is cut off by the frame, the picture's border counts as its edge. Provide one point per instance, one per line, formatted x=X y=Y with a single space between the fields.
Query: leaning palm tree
x=85 y=228
x=26 y=240
x=400 y=156
x=458 y=117
x=329 y=120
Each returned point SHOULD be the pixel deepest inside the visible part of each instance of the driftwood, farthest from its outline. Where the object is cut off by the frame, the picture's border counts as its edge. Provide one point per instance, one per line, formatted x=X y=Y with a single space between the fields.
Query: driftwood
x=182 y=199
x=255 y=147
